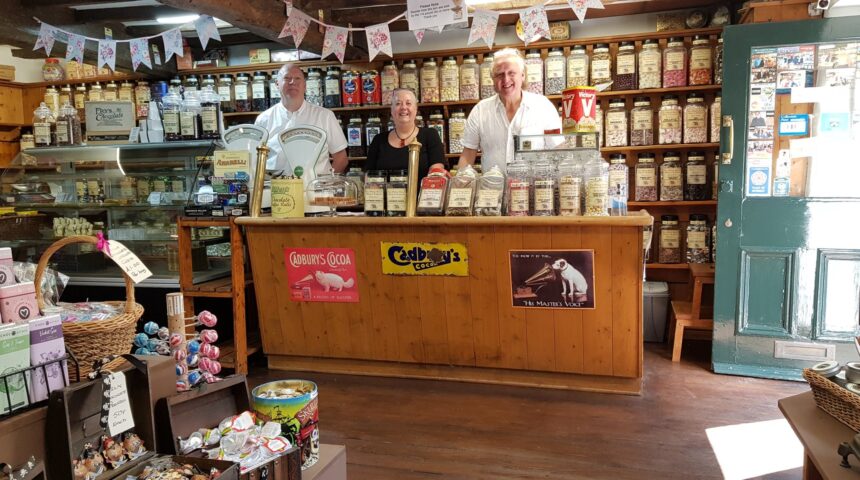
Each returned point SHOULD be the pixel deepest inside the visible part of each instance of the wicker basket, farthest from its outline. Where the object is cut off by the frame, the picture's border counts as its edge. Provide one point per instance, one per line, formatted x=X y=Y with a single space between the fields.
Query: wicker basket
x=92 y=341
x=835 y=400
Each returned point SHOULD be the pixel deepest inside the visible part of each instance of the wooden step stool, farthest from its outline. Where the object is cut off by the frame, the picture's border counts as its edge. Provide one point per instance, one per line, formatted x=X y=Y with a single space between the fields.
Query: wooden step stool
x=687 y=315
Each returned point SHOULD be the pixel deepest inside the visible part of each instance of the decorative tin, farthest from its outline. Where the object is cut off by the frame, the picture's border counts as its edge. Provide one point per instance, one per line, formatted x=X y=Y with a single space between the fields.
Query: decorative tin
x=371 y=88
x=293 y=404
x=350 y=88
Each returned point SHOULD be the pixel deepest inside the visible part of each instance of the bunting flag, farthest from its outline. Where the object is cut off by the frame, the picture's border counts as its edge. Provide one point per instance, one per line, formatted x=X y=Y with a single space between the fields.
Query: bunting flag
x=334 y=42
x=378 y=40
x=75 y=48
x=172 y=44
x=579 y=7
x=535 y=24
x=419 y=35
x=140 y=53
x=107 y=54
x=47 y=35
x=206 y=29
x=484 y=23
x=298 y=22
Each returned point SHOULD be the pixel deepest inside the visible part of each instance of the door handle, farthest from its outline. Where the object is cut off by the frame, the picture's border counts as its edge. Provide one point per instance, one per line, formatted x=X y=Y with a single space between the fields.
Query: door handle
x=729 y=123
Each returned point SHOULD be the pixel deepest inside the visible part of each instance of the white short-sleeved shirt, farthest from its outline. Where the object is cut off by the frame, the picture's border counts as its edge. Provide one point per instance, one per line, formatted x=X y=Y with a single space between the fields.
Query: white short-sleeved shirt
x=277 y=119
x=488 y=128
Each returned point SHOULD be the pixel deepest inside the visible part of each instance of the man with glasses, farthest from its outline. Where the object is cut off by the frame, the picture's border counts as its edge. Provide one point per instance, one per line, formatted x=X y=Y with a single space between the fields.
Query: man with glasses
x=292 y=111
x=494 y=121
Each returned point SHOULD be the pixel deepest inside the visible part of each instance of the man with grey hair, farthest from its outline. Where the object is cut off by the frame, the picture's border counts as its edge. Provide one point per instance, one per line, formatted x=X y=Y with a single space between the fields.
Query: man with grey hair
x=494 y=121
x=293 y=111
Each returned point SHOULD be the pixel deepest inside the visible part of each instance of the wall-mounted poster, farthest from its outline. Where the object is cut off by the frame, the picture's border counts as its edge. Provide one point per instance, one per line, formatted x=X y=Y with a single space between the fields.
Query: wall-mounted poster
x=321 y=274
x=552 y=278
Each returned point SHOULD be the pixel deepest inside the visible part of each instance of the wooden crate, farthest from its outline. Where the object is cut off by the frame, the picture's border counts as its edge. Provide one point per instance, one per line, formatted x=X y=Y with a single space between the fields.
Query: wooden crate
x=765 y=11
x=185 y=413
x=7 y=73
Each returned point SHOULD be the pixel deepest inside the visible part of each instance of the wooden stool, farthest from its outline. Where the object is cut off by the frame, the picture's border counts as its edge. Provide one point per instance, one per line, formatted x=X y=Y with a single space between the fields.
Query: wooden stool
x=686 y=315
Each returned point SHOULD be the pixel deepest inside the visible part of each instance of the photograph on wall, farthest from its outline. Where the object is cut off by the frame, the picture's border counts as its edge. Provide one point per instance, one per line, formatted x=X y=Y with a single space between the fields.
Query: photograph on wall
x=763 y=65
x=841 y=55
x=321 y=274
x=762 y=97
x=796 y=57
x=552 y=279
x=760 y=150
x=761 y=126
x=788 y=79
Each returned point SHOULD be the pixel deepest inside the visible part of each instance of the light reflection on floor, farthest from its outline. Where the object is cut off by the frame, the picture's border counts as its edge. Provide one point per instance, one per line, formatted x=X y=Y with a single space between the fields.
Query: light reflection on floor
x=755 y=449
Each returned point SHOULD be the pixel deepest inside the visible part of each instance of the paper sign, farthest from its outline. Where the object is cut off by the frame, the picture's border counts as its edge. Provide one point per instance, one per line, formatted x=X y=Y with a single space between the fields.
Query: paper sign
x=321 y=274
x=758 y=181
x=229 y=162
x=134 y=135
x=154 y=198
x=119 y=413
x=424 y=259
x=128 y=262
x=835 y=122
x=782 y=174
x=823 y=95
x=423 y=14
x=797 y=124
x=802 y=147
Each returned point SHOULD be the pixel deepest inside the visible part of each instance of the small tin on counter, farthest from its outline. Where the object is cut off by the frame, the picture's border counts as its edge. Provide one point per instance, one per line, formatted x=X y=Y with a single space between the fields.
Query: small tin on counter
x=578 y=108
x=852 y=372
x=350 y=88
x=827 y=369
x=371 y=88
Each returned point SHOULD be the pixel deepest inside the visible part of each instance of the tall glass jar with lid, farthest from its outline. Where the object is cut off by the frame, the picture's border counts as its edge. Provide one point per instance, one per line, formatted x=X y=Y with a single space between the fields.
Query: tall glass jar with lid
x=625 y=67
x=544 y=188
x=518 y=189
x=696 y=186
x=175 y=85
x=596 y=179
x=650 y=65
x=618 y=175
x=409 y=77
x=68 y=96
x=646 y=178
x=470 y=77
x=675 y=63
x=715 y=120
x=111 y=92
x=718 y=61
x=601 y=64
x=171 y=108
x=374 y=193
x=449 y=80
x=355 y=137
x=556 y=70
x=569 y=188
x=259 y=92
x=225 y=92
x=372 y=128
x=701 y=61
x=142 y=96
x=314 y=89
x=390 y=81
x=534 y=72
x=670 y=240
x=616 y=123
x=331 y=88
x=395 y=193
x=274 y=89
x=641 y=122
x=669 y=121
x=671 y=178
x=695 y=119
x=81 y=98
x=456 y=129
x=210 y=109
x=487 y=90
x=577 y=67
x=191 y=82
x=697 y=239
x=242 y=92
x=429 y=81
x=96 y=94
x=189 y=117
x=52 y=100
x=43 y=125
x=437 y=122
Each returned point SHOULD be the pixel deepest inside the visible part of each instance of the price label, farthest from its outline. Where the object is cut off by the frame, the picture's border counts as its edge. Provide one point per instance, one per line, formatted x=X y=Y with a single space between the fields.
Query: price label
x=797 y=124
x=128 y=262
x=119 y=410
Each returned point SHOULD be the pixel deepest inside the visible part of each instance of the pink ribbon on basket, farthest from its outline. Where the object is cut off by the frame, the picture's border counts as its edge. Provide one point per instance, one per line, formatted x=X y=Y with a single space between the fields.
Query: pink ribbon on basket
x=102 y=245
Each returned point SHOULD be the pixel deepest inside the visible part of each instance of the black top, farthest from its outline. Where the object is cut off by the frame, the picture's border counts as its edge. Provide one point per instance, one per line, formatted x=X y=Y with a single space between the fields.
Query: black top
x=382 y=156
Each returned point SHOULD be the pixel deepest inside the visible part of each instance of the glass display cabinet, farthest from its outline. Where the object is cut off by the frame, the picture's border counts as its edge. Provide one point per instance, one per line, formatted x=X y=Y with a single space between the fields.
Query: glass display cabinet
x=131 y=193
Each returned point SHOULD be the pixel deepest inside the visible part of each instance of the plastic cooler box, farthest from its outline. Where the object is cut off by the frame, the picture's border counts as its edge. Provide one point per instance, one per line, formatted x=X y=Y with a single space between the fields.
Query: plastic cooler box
x=655 y=306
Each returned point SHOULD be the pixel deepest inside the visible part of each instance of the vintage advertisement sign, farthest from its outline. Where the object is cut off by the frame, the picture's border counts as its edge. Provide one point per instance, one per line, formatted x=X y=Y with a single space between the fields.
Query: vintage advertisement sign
x=321 y=274
x=552 y=279
x=403 y=258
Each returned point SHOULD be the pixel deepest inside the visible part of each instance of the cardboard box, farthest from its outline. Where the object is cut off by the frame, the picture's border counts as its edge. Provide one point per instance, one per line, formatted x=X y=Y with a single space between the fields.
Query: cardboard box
x=258 y=55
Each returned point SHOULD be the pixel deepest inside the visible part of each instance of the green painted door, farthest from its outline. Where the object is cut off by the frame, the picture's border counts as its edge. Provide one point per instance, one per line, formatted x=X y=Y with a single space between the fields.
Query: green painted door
x=788 y=221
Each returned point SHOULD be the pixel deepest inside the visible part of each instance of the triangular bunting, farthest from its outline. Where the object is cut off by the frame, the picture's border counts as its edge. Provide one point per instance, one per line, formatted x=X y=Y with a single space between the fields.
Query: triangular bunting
x=140 y=53
x=378 y=40
x=484 y=23
x=206 y=29
x=334 y=42
x=298 y=22
x=419 y=35
x=107 y=54
x=75 y=48
x=535 y=24
x=172 y=44
x=47 y=35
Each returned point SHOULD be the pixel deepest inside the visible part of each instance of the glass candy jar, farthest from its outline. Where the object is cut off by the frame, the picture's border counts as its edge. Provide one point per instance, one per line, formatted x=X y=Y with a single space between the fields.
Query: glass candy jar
x=544 y=194
x=577 y=67
x=390 y=81
x=461 y=193
x=43 y=124
x=449 y=80
x=491 y=189
x=225 y=93
x=696 y=186
x=625 y=67
x=715 y=120
x=671 y=178
x=675 y=63
x=555 y=67
x=409 y=77
x=641 y=122
x=487 y=89
x=618 y=174
x=52 y=71
x=456 y=130
x=669 y=121
x=650 y=65
x=332 y=190
x=434 y=189
x=701 y=61
x=601 y=65
x=470 y=74
x=331 y=88
x=429 y=81
x=616 y=123
x=670 y=240
x=534 y=72
x=596 y=179
x=210 y=110
x=395 y=194
x=646 y=178
x=374 y=193
x=518 y=189
x=718 y=62
x=697 y=239
x=171 y=108
x=695 y=119
x=569 y=188
x=314 y=87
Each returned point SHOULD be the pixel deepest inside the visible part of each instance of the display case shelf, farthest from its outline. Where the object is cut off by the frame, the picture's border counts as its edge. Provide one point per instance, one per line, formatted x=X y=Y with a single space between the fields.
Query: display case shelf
x=661 y=148
x=677 y=203
x=667 y=266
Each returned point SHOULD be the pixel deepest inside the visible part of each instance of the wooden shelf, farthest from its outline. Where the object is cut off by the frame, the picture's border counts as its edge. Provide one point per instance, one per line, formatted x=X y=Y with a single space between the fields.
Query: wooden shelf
x=78 y=81
x=240 y=114
x=667 y=266
x=228 y=351
x=677 y=203
x=661 y=148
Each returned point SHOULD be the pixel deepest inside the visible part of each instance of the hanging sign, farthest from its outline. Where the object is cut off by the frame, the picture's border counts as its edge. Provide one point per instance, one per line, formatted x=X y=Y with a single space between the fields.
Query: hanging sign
x=321 y=274
x=552 y=279
x=423 y=14
x=127 y=261
x=402 y=258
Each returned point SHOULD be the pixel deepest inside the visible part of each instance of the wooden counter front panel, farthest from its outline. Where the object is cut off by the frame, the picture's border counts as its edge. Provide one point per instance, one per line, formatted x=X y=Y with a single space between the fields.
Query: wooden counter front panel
x=464 y=321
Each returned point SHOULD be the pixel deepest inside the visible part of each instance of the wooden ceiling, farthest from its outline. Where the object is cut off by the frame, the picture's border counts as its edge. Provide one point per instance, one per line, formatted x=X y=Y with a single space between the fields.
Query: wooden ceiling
x=253 y=20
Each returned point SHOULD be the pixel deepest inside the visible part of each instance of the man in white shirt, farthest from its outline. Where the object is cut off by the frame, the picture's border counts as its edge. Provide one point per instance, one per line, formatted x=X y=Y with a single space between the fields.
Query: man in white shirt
x=292 y=111
x=494 y=121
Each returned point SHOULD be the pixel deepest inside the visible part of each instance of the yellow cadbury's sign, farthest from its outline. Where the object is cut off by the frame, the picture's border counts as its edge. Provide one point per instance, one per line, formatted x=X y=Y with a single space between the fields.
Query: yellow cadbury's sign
x=425 y=259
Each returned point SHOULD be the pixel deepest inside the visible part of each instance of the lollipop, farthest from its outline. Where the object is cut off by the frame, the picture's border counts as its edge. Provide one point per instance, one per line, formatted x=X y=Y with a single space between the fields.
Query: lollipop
x=140 y=340
x=142 y=351
x=151 y=328
x=163 y=333
x=180 y=355
x=175 y=340
x=181 y=369
x=193 y=347
x=194 y=377
x=205 y=318
x=208 y=336
x=192 y=360
x=211 y=351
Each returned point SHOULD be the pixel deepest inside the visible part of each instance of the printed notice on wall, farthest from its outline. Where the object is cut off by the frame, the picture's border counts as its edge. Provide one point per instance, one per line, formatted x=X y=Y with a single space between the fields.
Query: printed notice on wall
x=423 y=14
x=321 y=274
x=128 y=262
x=552 y=278
x=119 y=413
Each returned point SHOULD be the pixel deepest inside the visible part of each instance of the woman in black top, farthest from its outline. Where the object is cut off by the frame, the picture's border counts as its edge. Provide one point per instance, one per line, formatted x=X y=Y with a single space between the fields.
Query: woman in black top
x=391 y=152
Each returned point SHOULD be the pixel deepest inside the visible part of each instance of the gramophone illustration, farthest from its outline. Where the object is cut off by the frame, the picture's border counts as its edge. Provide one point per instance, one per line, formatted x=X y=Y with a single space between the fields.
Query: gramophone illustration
x=534 y=283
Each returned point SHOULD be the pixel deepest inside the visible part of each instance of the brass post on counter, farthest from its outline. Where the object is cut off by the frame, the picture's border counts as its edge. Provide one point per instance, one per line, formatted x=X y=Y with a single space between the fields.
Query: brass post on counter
x=259 y=181
x=412 y=181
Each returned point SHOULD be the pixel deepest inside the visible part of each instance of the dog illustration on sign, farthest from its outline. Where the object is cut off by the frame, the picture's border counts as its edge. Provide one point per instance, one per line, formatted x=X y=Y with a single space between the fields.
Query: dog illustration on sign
x=574 y=286
x=332 y=281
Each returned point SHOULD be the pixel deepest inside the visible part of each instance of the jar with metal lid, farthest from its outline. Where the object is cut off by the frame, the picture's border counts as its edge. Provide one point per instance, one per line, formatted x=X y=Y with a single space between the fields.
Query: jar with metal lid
x=598 y=117
x=456 y=130
x=225 y=92
x=390 y=81
x=618 y=175
x=96 y=93
x=395 y=193
x=596 y=179
x=616 y=123
x=111 y=92
x=374 y=193
x=675 y=63
x=715 y=117
x=274 y=90
x=650 y=65
x=419 y=121
x=242 y=92
x=487 y=89
x=601 y=64
x=449 y=80
x=534 y=72
x=556 y=70
x=429 y=81
x=356 y=176
x=208 y=80
x=718 y=62
x=332 y=98
x=80 y=99
x=175 y=86
x=66 y=95
x=372 y=129
x=371 y=88
x=697 y=239
x=171 y=108
x=210 y=110
x=52 y=71
x=470 y=73
x=490 y=194
x=544 y=185
x=409 y=77
x=646 y=178
x=625 y=67
x=126 y=92
x=437 y=122
x=461 y=192
x=142 y=97
x=577 y=67
x=671 y=178
x=701 y=61
x=434 y=189
x=641 y=122
x=569 y=188
x=191 y=82
x=669 y=121
x=43 y=125
x=354 y=137
x=259 y=92
x=350 y=88
x=27 y=141
x=518 y=191
x=696 y=186
x=695 y=119
x=670 y=240
x=68 y=127
x=189 y=117
x=52 y=100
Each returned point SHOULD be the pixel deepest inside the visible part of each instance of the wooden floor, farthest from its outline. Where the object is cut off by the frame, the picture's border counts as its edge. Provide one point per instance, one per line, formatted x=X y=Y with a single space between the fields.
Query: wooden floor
x=415 y=429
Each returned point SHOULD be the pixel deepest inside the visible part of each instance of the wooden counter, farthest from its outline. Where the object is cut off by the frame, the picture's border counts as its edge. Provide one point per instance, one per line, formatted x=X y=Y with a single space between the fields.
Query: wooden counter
x=456 y=328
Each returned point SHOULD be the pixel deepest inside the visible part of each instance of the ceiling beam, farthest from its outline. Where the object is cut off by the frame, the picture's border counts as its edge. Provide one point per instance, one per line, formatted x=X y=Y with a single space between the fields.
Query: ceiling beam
x=126 y=14
x=60 y=3
x=309 y=6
